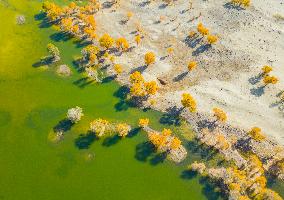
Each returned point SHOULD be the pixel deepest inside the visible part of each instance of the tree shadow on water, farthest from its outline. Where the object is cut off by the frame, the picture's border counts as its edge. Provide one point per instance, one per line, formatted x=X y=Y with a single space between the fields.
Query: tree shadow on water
x=63 y=126
x=85 y=140
x=144 y=151
x=122 y=93
x=60 y=36
x=111 y=140
x=188 y=174
x=83 y=82
x=133 y=132
x=158 y=158
x=209 y=189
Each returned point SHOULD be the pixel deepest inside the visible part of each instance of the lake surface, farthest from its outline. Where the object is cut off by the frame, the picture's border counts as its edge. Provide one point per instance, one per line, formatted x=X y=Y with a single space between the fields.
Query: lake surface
x=34 y=100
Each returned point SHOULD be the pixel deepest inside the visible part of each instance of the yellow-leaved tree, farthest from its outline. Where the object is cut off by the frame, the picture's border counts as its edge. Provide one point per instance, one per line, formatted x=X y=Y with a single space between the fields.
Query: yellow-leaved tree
x=189 y=102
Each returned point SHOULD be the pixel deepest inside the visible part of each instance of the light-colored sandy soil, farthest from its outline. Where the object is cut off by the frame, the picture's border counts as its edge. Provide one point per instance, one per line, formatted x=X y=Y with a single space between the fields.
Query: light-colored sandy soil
x=226 y=76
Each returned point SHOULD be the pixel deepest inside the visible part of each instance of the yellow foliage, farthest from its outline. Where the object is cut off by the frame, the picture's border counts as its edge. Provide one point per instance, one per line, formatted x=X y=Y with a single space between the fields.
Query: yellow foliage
x=129 y=15
x=244 y=3
x=137 y=39
x=266 y=69
x=157 y=140
x=106 y=41
x=149 y=58
x=136 y=77
x=188 y=101
x=192 y=65
x=256 y=134
x=99 y=127
x=175 y=143
x=117 y=68
x=170 y=50
x=270 y=79
x=123 y=129
x=202 y=30
x=166 y=132
x=122 y=43
x=191 y=34
x=220 y=114
x=151 y=87
x=137 y=89
x=143 y=122
x=212 y=39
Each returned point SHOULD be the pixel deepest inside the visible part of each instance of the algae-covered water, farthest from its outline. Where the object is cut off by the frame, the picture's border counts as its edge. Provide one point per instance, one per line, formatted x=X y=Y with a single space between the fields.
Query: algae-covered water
x=35 y=99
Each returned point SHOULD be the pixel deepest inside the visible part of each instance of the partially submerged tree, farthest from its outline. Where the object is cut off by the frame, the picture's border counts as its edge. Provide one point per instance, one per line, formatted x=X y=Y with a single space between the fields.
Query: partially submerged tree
x=143 y=122
x=75 y=114
x=123 y=129
x=54 y=52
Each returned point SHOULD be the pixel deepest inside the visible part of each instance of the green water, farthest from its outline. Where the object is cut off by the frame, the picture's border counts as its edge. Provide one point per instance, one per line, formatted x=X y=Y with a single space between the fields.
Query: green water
x=34 y=99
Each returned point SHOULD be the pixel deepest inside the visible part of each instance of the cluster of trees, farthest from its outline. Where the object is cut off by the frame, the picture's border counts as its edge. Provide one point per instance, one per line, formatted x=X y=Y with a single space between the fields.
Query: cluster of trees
x=141 y=88
x=211 y=39
x=102 y=127
x=164 y=141
x=75 y=114
x=243 y=183
x=268 y=79
x=244 y=3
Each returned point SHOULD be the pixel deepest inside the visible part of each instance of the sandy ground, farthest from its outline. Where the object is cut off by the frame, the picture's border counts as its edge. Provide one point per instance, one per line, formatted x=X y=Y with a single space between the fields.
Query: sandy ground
x=226 y=76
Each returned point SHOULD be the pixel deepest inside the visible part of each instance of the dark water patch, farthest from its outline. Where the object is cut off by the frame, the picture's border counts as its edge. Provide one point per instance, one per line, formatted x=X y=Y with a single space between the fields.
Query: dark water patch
x=5 y=118
x=40 y=117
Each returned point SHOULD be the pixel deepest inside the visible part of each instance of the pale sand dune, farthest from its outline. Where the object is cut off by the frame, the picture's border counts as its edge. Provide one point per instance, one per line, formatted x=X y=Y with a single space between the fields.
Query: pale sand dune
x=248 y=39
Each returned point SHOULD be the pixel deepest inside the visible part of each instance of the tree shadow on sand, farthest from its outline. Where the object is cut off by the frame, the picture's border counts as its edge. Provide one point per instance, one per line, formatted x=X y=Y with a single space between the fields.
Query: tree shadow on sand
x=230 y=5
x=84 y=141
x=180 y=76
x=254 y=80
x=139 y=69
x=259 y=91
x=172 y=116
x=192 y=42
x=201 y=49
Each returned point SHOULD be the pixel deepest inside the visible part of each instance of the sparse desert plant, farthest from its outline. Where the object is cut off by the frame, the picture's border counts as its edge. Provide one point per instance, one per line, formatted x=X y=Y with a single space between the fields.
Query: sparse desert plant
x=106 y=41
x=170 y=51
x=75 y=114
x=191 y=34
x=255 y=133
x=189 y=102
x=149 y=58
x=137 y=39
x=220 y=114
x=191 y=65
x=129 y=15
